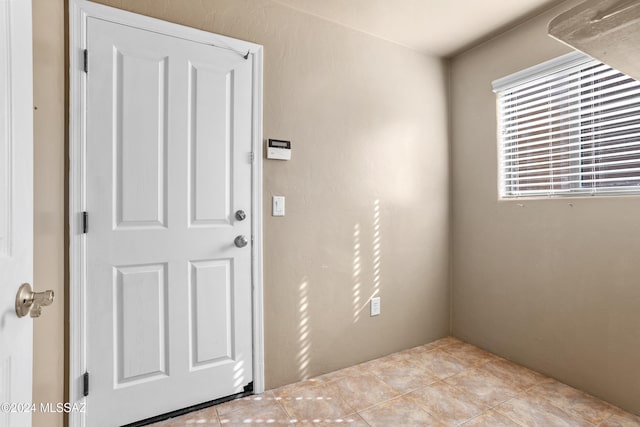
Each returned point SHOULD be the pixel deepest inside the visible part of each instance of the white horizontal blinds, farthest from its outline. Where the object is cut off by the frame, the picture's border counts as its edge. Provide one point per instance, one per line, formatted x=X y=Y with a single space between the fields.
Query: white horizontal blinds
x=572 y=129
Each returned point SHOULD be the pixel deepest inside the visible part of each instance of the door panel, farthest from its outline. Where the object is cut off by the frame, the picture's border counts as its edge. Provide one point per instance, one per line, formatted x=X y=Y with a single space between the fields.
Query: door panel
x=168 y=293
x=5 y=141
x=140 y=92
x=141 y=323
x=210 y=95
x=16 y=208
x=212 y=312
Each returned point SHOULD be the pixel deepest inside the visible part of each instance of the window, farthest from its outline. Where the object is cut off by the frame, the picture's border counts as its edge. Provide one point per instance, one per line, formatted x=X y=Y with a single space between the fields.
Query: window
x=570 y=126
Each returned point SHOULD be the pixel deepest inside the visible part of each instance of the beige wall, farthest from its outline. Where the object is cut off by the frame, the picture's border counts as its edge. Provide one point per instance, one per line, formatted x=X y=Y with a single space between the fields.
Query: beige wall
x=552 y=284
x=367 y=185
x=49 y=266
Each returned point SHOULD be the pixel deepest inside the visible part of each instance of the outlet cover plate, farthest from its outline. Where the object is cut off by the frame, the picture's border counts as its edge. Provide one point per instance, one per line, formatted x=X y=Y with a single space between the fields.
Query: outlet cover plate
x=374 y=306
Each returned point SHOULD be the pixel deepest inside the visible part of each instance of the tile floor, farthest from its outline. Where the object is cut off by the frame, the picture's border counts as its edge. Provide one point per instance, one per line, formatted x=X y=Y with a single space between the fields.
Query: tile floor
x=443 y=383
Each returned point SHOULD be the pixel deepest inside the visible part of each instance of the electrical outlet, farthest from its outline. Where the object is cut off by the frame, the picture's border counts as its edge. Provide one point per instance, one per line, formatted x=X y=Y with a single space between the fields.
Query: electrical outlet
x=375 y=306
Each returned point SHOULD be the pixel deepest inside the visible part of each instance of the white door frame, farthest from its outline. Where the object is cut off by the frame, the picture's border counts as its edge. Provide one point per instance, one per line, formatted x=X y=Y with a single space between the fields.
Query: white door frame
x=79 y=12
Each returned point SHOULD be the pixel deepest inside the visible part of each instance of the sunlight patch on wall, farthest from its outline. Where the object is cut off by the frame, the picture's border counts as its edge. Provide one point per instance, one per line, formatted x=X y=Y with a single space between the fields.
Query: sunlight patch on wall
x=377 y=248
x=357 y=271
x=362 y=260
x=303 y=357
x=238 y=373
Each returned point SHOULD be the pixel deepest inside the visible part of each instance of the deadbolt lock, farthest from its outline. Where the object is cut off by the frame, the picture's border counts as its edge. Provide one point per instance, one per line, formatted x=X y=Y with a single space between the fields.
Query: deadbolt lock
x=31 y=302
x=240 y=215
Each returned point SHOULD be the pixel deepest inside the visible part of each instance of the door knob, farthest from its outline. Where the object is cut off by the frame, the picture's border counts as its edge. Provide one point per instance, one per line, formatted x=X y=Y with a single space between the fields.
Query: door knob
x=241 y=241
x=31 y=302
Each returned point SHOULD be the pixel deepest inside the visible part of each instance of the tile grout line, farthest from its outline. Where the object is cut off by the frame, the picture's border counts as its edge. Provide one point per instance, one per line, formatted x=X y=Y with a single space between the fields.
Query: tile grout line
x=521 y=392
x=607 y=419
x=375 y=405
x=362 y=418
x=426 y=410
x=355 y=411
x=278 y=401
x=294 y=419
x=525 y=392
x=477 y=366
x=496 y=408
x=400 y=395
x=508 y=417
x=550 y=402
x=443 y=380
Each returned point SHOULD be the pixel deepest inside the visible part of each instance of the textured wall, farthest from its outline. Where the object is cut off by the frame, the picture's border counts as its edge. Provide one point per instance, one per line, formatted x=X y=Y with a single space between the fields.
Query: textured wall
x=551 y=285
x=367 y=188
x=49 y=189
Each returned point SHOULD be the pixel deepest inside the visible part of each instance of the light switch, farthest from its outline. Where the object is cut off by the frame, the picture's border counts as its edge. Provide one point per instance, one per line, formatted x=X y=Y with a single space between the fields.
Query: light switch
x=278 y=206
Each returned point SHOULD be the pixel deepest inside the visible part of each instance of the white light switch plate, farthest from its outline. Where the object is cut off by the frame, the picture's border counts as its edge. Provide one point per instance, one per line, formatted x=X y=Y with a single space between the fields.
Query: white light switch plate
x=375 y=306
x=277 y=208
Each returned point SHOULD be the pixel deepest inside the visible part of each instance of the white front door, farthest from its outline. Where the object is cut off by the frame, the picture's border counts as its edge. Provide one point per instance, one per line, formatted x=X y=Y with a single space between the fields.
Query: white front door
x=168 y=264
x=16 y=209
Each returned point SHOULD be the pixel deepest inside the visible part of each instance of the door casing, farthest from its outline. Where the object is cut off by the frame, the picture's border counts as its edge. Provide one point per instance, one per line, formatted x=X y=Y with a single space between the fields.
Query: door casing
x=79 y=12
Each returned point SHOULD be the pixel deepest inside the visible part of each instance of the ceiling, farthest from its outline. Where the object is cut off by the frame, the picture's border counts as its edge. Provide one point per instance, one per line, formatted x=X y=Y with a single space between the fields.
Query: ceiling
x=438 y=27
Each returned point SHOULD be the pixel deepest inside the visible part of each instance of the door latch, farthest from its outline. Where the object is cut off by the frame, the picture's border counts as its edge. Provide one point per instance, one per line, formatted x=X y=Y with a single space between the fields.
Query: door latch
x=31 y=302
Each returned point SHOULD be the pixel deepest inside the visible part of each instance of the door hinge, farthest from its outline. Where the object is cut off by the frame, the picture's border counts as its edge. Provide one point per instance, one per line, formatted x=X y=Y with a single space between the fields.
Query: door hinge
x=85 y=382
x=85 y=222
x=86 y=61
x=252 y=155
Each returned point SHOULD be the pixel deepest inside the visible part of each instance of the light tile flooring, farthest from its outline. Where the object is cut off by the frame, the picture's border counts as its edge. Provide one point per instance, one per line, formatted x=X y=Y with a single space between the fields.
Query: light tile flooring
x=444 y=383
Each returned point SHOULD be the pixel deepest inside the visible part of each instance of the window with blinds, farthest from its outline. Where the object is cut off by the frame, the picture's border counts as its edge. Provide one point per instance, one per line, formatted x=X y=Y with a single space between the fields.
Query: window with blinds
x=570 y=126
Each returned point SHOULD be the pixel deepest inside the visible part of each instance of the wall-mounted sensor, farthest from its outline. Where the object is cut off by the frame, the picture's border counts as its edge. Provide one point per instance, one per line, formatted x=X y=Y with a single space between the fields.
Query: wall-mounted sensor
x=279 y=150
